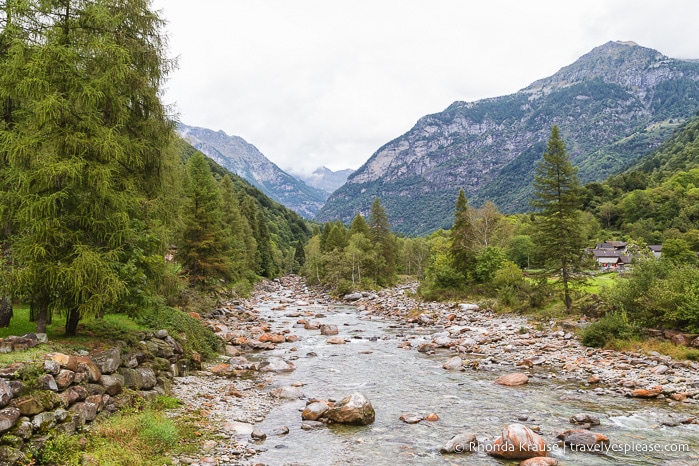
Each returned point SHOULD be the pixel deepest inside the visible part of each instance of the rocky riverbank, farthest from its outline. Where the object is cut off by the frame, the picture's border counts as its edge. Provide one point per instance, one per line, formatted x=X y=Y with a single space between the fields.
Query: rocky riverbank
x=234 y=395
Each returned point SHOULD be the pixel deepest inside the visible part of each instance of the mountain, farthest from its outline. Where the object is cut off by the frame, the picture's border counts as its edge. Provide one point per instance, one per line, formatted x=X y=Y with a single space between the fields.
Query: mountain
x=243 y=159
x=325 y=179
x=612 y=105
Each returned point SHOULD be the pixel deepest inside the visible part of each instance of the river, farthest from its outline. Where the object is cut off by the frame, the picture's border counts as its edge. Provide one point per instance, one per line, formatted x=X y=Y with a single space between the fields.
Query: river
x=399 y=381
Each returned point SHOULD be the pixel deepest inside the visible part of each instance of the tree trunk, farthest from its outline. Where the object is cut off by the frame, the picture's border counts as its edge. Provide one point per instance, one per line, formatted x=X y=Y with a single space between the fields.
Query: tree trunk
x=5 y=311
x=41 y=317
x=72 y=320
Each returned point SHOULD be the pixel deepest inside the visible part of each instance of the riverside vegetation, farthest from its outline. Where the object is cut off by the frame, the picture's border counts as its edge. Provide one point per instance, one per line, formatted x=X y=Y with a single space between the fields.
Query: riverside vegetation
x=114 y=225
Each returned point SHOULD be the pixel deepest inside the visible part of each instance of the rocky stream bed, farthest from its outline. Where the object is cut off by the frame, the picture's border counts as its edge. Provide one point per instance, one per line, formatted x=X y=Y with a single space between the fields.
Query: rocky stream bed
x=432 y=371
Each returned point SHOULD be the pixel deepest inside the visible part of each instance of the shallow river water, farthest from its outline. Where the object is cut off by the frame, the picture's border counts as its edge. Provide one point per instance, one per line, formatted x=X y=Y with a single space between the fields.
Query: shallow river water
x=399 y=381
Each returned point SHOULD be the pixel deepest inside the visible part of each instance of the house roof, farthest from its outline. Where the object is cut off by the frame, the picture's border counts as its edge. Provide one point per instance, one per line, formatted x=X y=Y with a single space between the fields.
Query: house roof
x=655 y=247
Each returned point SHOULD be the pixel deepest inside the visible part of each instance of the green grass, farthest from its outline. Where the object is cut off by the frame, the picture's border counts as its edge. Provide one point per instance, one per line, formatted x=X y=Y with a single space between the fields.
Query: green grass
x=595 y=284
x=136 y=438
x=93 y=333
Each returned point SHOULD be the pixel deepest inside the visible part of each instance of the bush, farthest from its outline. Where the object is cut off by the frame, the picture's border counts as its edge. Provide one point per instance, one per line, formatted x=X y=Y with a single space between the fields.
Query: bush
x=614 y=325
x=190 y=331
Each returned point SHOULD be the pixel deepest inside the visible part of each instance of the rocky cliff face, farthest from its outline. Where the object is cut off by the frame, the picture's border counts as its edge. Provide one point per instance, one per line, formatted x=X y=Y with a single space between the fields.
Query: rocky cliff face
x=243 y=159
x=612 y=105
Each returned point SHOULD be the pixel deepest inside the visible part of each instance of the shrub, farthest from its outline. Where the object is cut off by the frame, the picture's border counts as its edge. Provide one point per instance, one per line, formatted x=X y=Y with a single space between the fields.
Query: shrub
x=192 y=334
x=614 y=325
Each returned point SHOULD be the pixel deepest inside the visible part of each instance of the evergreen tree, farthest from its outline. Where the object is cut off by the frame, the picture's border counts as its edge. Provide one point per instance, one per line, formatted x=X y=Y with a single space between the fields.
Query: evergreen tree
x=462 y=237
x=85 y=154
x=299 y=254
x=359 y=225
x=237 y=229
x=204 y=249
x=384 y=242
x=557 y=196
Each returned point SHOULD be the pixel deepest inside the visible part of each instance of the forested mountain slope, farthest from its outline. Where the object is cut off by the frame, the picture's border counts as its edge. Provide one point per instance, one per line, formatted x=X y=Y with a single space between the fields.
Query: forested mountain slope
x=612 y=105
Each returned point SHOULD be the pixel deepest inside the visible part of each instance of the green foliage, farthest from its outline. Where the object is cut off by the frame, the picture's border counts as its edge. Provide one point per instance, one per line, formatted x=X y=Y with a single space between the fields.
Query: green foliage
x=365 y=256
x=614 y=325
x=557 y=196
x=191 y=332
x=462 y=249
x=488 y=262
x=204 y=250
x=658 y=293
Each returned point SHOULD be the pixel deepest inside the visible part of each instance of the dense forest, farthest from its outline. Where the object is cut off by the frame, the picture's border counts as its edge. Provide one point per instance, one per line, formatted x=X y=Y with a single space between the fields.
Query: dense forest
x=104 y=209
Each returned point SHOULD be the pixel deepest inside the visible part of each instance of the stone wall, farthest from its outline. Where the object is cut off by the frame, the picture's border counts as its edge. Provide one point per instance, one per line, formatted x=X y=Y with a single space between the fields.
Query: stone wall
x=66 y=391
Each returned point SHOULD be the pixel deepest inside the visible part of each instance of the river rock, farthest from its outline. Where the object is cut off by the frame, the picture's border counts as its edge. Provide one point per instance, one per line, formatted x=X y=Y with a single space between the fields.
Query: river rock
x=469 y=307
x=460 y=443
x=518 y=442
x=453 y=364
x=310 y=425
x=540 y=461
x=287 y=393
x=410 y=418
x=353 y=297
x=651 y=392
x=275 y=364
x=315 y=410
x=328 y=329
x=583 y=438
x=336 y=341
x=585 y=419
x=513 y=380
x=353 y=409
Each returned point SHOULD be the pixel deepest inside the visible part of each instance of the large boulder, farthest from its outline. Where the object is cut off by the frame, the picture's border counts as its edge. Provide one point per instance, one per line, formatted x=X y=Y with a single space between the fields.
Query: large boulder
x=353 y=409
x=518 y=442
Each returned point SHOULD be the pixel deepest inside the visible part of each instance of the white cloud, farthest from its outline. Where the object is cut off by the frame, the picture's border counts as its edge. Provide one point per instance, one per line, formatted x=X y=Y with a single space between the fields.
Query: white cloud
x=318 y=82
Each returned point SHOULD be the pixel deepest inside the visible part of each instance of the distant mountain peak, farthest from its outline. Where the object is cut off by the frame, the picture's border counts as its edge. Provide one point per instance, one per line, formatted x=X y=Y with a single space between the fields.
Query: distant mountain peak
x=245 y=160
x=325 y=179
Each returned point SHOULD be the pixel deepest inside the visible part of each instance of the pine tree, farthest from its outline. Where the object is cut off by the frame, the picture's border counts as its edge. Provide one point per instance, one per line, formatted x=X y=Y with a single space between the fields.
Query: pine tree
x=462 y=246
x=85 y=155
x=204 y=249
x=237 y=229
x=557 y=196
x=385 y=243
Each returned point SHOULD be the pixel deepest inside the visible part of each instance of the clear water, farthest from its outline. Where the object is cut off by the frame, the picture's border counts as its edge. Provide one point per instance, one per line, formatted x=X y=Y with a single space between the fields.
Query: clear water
x=399 y=381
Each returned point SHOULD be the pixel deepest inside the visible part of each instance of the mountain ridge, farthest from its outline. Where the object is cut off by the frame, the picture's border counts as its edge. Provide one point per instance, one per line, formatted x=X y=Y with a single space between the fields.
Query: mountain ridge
x=245 y=160
x=613 y=104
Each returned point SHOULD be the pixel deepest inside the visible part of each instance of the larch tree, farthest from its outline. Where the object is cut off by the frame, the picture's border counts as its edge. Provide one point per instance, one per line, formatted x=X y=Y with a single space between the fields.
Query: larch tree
x=557 y=198
x=85 y=156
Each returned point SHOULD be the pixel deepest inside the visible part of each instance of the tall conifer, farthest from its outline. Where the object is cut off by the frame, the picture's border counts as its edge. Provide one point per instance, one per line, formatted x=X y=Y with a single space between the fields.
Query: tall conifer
x=85 y=155
x=557 y=196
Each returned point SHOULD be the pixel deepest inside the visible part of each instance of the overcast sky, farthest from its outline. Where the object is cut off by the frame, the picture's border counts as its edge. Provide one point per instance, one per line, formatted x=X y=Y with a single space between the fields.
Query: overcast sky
x=327 y=82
